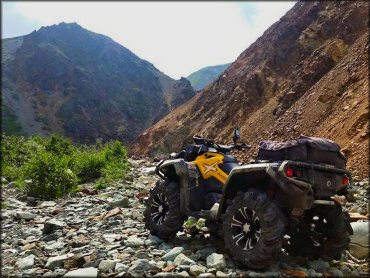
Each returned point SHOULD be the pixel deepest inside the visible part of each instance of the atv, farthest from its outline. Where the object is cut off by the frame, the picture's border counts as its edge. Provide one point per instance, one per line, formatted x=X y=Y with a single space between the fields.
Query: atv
x=281 y=200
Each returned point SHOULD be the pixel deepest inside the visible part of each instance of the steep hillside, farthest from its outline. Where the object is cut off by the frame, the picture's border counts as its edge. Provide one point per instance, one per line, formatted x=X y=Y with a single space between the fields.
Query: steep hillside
x=307 y=74
x=205 y=76
x=66 y=79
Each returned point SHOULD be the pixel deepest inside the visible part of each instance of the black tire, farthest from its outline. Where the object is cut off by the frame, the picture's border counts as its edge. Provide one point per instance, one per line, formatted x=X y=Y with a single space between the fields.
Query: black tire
x=263 y=237
x=167 y=222
x=324 y=234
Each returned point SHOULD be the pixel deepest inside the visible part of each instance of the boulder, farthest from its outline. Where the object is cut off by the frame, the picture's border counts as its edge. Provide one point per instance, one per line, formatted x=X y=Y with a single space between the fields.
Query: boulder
x=52 y=225
x=123 y=202
x=142 y=265
x=120 y=267
x=216 y=261
x=181 y=259
x=134 y=241
x=107 y=266
x=360 y=236
x=25 y=215
x=196 y=270
x=26 y=263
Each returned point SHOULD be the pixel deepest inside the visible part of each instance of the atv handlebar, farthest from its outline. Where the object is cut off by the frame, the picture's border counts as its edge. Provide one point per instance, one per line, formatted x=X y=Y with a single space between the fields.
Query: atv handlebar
x=240 y=146
x=222 y=148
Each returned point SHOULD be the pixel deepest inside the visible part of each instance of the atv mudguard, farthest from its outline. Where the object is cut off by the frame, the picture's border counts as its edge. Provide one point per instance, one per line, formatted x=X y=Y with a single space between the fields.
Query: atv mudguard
x=187 y=174
x=292 y=193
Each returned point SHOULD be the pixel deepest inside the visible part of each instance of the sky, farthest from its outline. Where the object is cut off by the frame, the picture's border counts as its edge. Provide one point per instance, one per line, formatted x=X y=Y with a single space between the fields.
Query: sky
x=179 y=38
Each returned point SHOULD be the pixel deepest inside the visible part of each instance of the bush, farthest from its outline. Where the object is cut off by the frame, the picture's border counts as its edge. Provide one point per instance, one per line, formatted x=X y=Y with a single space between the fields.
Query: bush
x=59 y=146
x=48 y=177
x=15 y=152
x=89 y=166
x=54 y=166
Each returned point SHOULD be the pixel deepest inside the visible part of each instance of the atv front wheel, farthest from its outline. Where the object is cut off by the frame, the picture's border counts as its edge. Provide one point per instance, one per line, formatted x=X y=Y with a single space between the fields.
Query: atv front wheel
x=253 y=229
x=324 y=234
x=162 y=214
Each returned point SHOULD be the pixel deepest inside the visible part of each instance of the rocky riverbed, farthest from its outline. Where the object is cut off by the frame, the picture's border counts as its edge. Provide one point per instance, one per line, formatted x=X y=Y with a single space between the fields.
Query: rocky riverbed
x=100 y=233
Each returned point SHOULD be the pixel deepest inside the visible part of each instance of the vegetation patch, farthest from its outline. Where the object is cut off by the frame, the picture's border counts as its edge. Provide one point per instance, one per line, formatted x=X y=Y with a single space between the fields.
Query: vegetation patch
x=52 y=167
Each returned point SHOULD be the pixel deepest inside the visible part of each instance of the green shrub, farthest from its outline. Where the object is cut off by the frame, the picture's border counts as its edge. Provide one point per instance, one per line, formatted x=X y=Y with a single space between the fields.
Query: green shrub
x=54 y=166
x=15 y=152
x=114 y=151
x=88 y=166
x=59 y=145
x=48 y=177
x=116 y=156
x=102 y=183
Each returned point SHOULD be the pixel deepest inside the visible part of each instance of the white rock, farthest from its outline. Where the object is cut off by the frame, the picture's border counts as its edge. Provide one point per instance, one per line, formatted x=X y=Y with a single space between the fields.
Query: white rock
x=216 y=261
x=120 y=267
x=195 y=270
x=134 y=241
x=361 y=236
x=47 y=204
x=107 y=266
x=26 y=263
x=221 y=274
x=89 y=272
x=30 y=272
x=25 y=215
x=141 y=265
x=171 y=255
x=181 y=259
x=57 y=261
x=55 y=246
x=109 y=238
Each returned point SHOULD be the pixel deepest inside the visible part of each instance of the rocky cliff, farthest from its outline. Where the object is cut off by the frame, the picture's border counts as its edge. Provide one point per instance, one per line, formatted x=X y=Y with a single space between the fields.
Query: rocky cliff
x=65 y=79
x=307 y=74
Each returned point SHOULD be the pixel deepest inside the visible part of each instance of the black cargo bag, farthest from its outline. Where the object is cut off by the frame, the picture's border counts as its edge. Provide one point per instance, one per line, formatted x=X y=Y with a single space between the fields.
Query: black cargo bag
x=306 y=149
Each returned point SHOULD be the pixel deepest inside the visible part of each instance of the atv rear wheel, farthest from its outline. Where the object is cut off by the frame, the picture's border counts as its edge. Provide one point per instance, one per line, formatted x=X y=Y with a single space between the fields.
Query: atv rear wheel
x=162 y=214
x=324 y=234
x=253 y=229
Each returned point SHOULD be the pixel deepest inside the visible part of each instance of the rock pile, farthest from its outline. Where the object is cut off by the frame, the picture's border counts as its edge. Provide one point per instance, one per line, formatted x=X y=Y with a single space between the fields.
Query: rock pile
x=103 y=235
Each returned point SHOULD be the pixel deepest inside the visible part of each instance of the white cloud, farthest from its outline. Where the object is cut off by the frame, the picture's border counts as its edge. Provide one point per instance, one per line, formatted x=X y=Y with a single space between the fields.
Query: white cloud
x=177 y=37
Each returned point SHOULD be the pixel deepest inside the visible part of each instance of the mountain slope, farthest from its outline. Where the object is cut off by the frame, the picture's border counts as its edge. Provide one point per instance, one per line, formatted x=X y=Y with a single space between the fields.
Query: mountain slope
x=205 y=76
x=306 y=74
x=66 y=79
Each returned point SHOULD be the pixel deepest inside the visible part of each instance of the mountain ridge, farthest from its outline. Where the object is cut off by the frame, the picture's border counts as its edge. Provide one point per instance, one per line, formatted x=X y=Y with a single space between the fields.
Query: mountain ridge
x=205 y=76
x=68 y=80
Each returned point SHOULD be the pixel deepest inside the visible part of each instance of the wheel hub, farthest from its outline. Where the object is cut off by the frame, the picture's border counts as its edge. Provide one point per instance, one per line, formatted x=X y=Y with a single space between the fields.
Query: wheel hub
x=246 y=228
x=159 y=208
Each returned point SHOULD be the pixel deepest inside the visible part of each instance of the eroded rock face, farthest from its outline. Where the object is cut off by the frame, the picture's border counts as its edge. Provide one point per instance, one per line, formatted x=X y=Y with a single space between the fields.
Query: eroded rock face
x=307 y=74
x=86 y=239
